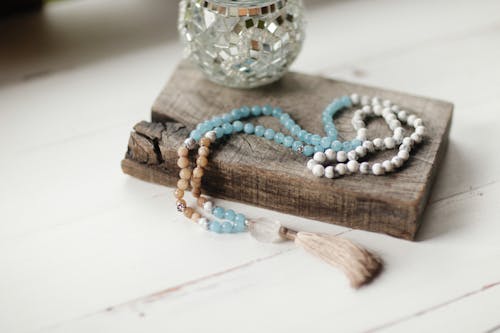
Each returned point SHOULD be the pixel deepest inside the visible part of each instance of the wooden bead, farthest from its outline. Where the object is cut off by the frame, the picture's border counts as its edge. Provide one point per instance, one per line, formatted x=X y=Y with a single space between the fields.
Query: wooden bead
x=183 y=162
x=205 y=142
x=185 y=173
x=182 y=184
x=195 y=217
x=182 y=152
x=196 y=192
x=188 y=212
x=201 y=201
x=198 y=172
x=202 y=161
x=178 y=193
x=196 y=182
x=203 y=151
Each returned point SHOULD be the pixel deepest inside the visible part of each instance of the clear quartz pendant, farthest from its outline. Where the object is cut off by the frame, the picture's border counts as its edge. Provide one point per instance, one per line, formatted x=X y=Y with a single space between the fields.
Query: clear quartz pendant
x=265 y=231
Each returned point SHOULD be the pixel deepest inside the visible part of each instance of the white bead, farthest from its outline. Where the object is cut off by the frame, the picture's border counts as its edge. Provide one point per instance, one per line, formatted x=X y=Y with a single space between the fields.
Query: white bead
x=402 y=115
x=341 y=169
x=418 y=122
x=364 y=167
x=389 y=143
x=386 y=112
x=361 y=135
x=330 y=154
x=411 y=119
x=408 y=141
x=393 y=124
x=211 y=136
x=355 y=99
x=375 y=100
x=311 y=163
x=352 y=156
x=341 y=156
x=415 y=137
x=387 y=103
x=397 y=161
x=319 y=157
x=190 y=143
x=368 y=145
x=377 y=110
x=207 y=206
x=367 y=109
x=377 y=169
x=420 y=130
x=387 y=165
x=404 y=155
x=353 y=166
x=361 y=151
x=378 y=143
x=358 y=124
x=399 y=130
x=365 y=100
x=395 y=108
x=203 y=222
x=398 y=137
x=329 y=172
x=318 y=170
x=405 y=147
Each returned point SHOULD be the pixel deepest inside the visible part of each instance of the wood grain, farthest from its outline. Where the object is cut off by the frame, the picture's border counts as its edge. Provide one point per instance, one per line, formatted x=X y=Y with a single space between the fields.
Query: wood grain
x=253 y=170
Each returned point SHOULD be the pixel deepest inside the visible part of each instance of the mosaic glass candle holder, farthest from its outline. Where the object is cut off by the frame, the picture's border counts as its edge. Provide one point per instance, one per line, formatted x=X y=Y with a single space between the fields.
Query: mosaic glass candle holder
x=242 y=43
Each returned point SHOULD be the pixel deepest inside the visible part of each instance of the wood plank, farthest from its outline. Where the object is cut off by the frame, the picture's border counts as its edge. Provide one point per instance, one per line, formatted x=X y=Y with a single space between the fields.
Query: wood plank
x=255 y=171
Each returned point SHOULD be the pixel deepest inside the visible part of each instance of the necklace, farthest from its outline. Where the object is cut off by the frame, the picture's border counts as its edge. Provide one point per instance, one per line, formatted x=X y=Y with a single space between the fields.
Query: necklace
x=330 y=158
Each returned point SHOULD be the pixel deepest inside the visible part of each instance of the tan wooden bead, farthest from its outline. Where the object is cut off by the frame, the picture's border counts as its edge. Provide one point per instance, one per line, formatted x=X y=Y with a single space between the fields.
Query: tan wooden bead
x=196 y=192
x=202 y=161
x=203 y=151
x=195 y=217
x=185 y=173
x=205 y=142
x=198 y=172
x=201 y=201
x=183 y=162
x=178 y=193
x=196 y=182
x=188 y=212
x=182 y=184
x=182 y=151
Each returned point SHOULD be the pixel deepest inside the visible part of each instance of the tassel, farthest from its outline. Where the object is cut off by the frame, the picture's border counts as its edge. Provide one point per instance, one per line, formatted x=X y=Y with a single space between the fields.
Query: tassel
x=357 y=263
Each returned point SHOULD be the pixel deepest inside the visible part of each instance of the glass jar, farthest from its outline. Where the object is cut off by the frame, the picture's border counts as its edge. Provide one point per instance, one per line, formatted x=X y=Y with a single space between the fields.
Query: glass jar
x=242 y=43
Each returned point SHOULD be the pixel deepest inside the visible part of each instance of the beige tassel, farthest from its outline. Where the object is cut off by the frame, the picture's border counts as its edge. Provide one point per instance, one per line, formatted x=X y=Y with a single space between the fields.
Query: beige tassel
x=357 y=263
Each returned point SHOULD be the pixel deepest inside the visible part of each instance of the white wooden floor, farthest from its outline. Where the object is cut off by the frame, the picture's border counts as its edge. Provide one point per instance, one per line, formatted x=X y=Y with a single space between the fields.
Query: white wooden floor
x=84 y=248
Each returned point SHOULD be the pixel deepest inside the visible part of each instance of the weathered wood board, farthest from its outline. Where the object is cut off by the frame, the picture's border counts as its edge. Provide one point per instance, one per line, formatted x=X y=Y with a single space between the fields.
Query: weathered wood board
x=253 y=170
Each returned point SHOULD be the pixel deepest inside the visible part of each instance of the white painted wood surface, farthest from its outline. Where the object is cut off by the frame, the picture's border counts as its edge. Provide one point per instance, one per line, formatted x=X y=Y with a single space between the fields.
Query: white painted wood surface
x=84 y=248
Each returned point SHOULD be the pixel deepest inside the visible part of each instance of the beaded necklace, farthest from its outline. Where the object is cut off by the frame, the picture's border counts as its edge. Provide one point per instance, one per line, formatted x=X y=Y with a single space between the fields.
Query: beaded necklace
x=330 y=158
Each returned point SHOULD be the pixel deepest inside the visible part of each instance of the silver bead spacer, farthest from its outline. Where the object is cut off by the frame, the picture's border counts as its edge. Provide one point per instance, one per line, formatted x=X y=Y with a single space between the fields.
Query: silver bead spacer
x=181 y=206
x=190 y=143
x=300 y=149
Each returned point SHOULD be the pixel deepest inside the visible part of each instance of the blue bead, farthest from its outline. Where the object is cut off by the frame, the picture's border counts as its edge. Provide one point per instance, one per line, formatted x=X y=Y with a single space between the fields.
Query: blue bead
x=227 y=227
x=356 y=143
x=240 y=218
x=295 y=130
x=267 y=110
x=260 y=130
x=308 y=138
x=346 y=101
x=238 y=126
x=218 y=212
x=315 y=139
x=288 y=141
x=219 y=132
x=289 y=123
x=284 y=117
x=244 y=111
x=318 y=148
x=302 y=135
x=337 y=145
x=227 y=128
x=229 y=215
x=269 y=134
x=227 y=118
x=248 y=128
x=279 y=137
x=196 y=134
x=236 y=113
x=216 y=121
x=256 y=110
x=239 y=226
x=326 y=142
x=205 y=126
x=215 y=227
x=346 y=146
x=277 y=112
x=308 y=150
x=332 y=133
x=296 y=145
